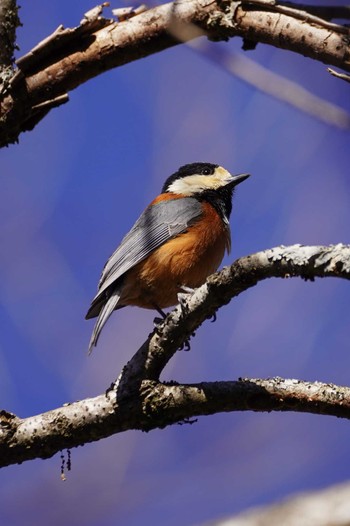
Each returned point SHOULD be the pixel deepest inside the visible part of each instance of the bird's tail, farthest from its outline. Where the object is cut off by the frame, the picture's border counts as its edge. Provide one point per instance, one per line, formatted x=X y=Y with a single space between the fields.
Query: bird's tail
x=105 y=313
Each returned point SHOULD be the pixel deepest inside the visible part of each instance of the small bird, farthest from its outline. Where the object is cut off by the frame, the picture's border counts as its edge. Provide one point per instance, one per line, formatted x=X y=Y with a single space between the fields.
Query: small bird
x=177 y=242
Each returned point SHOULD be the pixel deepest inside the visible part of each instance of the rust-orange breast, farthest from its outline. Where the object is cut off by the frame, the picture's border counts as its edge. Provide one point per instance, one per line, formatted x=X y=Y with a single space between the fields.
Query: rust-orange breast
x=187 y=259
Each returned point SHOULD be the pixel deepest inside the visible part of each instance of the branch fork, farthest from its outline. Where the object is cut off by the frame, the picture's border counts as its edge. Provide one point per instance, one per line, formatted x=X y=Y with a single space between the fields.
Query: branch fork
x=139 y=400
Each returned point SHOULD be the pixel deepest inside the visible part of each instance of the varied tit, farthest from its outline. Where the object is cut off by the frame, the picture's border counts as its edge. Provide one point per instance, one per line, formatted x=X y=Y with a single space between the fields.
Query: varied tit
x=175 y=244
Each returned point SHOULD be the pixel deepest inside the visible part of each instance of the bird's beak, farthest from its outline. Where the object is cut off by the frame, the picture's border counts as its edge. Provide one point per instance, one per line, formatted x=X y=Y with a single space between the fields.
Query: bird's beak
x=237 y=179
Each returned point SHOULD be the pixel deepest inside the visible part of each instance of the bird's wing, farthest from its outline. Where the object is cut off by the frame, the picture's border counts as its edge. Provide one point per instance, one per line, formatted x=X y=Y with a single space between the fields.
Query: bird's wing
x=158 y=223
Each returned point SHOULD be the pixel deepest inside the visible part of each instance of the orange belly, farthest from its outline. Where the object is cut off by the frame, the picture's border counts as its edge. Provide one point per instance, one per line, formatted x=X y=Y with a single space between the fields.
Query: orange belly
x=186 y=260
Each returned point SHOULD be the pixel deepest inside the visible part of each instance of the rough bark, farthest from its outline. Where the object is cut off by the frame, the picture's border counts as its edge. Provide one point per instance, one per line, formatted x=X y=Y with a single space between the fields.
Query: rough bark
x=157 y=405
x=138 y=400
x=70 y=57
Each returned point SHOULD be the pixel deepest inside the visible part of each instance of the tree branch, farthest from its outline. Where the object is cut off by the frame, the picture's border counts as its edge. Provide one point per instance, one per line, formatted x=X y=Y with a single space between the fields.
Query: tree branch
x=137 y=400
x=307 y=262
x=70 y=57
x=158 y=405
x=328 y=12
x=342 y=76
x=275 y=85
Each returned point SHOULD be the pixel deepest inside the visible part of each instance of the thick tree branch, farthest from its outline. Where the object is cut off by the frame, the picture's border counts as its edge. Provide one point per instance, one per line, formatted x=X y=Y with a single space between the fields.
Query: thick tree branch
x=70 y=57
x=307 y=262
x=137 y=400
x=157 y=405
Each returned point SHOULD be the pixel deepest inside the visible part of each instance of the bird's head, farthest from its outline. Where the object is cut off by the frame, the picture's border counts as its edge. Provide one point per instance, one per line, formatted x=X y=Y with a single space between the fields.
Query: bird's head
x=199 y=178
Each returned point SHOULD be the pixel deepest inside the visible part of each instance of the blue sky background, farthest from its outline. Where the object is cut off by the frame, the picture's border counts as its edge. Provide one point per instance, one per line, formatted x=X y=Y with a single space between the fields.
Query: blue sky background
x=73 y=187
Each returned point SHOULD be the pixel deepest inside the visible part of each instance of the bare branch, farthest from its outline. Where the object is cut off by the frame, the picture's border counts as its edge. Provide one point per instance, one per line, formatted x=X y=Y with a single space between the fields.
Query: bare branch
x=302 y=12
x=157 y=405
x=262 y=78
x=72 y=56
x=342 y=76
x=307 y=262
x=137 y=400
x=328 y=12
x=173 y=403
x=275 y=85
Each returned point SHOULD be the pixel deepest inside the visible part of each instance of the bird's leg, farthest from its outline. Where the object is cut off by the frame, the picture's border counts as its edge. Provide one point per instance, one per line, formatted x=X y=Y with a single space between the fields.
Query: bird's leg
x=186 y=346
x=156 y=320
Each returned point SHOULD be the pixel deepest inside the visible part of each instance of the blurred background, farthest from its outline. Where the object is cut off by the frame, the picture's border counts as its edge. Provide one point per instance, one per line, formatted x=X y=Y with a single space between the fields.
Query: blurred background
x=69 y=192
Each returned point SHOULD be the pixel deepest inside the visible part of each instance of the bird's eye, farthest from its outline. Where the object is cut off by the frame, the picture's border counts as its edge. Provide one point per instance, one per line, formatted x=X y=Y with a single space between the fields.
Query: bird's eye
x=206 y=171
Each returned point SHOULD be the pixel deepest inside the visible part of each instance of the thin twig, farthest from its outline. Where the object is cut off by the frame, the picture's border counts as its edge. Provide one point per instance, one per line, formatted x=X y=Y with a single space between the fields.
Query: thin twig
x=328 y=12
x=274 y=85
x=294 y=11
x=342 y=76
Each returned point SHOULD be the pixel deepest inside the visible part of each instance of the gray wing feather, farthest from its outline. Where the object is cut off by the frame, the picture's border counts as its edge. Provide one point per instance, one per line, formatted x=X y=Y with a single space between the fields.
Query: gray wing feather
x=157 y=224
x=103 y=316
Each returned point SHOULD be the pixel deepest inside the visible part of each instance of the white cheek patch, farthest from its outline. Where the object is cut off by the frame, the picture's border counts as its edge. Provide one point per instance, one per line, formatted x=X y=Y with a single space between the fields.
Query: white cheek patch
x=189 y=185
x=194 y=184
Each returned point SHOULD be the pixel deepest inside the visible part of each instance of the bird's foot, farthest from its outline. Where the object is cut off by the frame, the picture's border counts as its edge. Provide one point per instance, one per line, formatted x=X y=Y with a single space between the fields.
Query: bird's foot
x=186 y=346
x=157 y=320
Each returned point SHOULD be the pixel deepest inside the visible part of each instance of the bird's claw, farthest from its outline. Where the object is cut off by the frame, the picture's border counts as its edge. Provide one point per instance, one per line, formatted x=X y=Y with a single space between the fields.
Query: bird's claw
x=213 y=318
x=185 y=346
